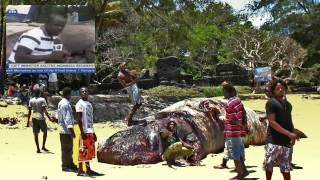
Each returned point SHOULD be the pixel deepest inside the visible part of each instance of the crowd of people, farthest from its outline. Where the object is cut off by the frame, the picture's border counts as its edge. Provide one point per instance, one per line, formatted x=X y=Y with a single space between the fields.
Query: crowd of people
x=66 y=116
x=47 y=83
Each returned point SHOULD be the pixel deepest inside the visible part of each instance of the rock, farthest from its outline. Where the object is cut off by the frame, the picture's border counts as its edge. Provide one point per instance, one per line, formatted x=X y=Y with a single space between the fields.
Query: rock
x=116 y=107
x=9 y=102
x=168 y=68
x=3 y=104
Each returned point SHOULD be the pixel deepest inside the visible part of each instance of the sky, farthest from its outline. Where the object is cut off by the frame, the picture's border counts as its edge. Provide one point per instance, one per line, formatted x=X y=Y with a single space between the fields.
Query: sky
x=239 y=5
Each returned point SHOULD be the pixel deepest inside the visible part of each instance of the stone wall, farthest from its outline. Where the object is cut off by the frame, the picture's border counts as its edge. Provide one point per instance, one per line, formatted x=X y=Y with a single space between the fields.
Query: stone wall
x=116 y=107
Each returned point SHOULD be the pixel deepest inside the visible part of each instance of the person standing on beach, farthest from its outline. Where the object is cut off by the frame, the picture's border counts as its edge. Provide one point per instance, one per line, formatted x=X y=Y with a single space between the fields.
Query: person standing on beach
x=84 y=111
x=281 y=136
x=53 y=87
x=39 y=107
x=233 y=130
x=66 y=121
x=129 y=81
x=264 y=118
x=225 y=159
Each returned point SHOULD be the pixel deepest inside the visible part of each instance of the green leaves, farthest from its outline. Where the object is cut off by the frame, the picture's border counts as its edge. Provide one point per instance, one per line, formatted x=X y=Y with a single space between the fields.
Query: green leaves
x=204 y=34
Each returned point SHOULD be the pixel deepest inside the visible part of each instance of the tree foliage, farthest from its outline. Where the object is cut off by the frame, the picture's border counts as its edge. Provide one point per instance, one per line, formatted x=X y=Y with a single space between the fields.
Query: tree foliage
x=252 y=47
x=200 y=33
x=299 y=19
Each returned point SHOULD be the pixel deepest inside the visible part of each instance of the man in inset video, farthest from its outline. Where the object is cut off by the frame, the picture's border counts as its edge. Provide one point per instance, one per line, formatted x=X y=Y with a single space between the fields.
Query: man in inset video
x=41 y=44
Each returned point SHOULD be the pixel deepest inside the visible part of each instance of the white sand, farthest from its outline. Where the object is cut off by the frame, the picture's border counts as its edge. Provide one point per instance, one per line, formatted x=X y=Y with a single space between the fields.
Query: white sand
x=19 y=160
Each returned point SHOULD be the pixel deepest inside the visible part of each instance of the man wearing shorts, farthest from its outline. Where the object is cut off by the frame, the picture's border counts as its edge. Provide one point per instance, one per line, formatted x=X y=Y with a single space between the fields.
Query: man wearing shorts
x=38 y=105
x=233 y=131
x=87 y=151
x=129 y=80
x=280 y=136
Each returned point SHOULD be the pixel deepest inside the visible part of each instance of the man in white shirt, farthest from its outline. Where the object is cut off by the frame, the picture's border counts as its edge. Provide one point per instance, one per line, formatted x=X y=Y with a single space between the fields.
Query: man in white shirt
x=66 y=121
x=38 y=105
x=87 y=152
x=73 y=16
x=37 y=45
x=53 y=83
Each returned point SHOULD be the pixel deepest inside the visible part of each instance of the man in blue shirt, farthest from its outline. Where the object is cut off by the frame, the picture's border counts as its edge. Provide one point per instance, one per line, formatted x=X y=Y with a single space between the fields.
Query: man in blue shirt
x=66 y=121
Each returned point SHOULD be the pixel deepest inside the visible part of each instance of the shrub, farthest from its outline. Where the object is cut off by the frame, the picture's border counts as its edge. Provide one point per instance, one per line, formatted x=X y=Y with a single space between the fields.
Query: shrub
x=212 y=91
x=244 y=89
x=309 y=75
x=162 y=91
x=209 y=91
x=215 y=91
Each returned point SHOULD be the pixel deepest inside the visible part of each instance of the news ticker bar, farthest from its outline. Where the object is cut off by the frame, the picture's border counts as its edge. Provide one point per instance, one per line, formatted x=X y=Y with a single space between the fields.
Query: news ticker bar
x=46 y=70
x=51 y=68
x=50 y=65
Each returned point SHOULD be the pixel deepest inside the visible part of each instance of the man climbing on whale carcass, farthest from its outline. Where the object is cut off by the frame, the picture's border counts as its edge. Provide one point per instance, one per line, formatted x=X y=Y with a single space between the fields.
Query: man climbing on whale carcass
x=129 y=80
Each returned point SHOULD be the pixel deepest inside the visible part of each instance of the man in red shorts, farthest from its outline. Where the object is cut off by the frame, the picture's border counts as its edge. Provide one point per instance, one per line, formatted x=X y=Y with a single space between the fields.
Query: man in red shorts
x=84 y=111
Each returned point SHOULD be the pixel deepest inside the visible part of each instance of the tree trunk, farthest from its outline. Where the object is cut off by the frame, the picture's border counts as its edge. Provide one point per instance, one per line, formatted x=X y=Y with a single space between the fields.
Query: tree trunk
x=2 y=49
x=2 y=25
x=66 y=9
x=101 y=15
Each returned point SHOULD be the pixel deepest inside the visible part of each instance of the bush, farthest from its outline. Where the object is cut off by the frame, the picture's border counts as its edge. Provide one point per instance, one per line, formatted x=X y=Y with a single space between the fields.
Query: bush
x=244 y=89
x=209 y=91
x=217 y=90
x=212 y=91
x=162 y=91
x=309 y=75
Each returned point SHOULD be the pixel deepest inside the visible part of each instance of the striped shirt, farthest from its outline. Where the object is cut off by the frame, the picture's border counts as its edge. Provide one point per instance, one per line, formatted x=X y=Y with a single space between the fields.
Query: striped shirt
x=37 y=40
x=234 y=111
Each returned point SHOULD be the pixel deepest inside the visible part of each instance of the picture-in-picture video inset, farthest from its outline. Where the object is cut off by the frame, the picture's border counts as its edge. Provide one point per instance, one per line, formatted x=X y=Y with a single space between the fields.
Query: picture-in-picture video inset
x=50 y=39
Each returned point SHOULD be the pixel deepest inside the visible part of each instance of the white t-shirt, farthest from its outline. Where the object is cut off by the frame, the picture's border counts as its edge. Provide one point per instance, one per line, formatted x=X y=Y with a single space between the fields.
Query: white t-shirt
x=38 y=104
x=87 y=115
x=53 y=77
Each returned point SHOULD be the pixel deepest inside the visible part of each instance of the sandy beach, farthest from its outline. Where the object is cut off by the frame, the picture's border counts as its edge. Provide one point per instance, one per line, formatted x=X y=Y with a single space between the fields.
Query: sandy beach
x=19 y=160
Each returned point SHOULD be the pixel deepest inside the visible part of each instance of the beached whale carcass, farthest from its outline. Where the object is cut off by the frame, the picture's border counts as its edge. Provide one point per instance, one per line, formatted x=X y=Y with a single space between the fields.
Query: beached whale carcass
x=141 y=145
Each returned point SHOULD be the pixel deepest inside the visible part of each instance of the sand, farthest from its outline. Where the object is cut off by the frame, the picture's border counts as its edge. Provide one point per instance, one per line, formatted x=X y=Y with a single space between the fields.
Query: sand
x=19 y=160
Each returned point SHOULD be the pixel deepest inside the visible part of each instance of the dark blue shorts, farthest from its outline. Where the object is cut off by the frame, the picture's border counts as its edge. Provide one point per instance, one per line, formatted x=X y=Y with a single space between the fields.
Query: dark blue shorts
x=39 y=124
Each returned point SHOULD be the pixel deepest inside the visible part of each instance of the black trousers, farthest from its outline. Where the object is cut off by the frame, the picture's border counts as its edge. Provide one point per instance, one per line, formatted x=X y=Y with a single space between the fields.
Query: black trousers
x=66 y=141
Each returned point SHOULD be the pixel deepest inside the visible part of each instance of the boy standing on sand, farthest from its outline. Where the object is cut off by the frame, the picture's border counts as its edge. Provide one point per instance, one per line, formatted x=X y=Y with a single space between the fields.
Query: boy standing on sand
x=39 y=106
x=87 y=152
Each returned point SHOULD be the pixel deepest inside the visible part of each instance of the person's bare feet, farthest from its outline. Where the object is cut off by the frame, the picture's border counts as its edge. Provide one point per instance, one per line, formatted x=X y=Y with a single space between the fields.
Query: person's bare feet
x=45 y=149
x=93 y=173
x=221 y=166
x=245 y=174
x=82 y=174
x=240 y=176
